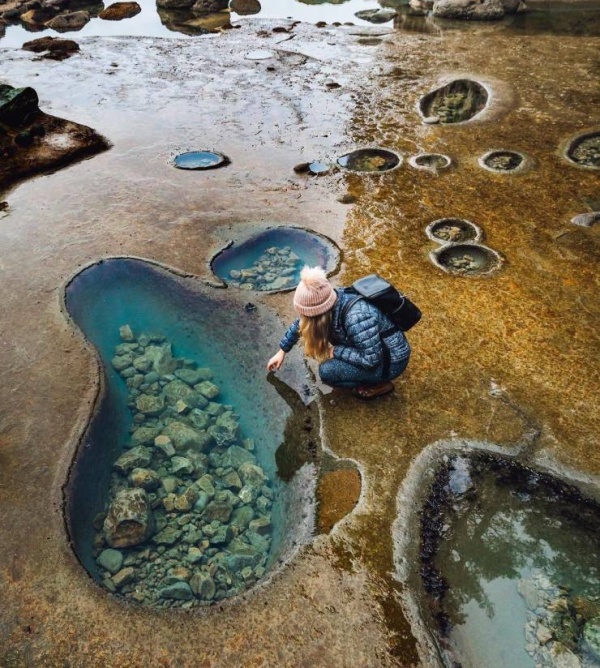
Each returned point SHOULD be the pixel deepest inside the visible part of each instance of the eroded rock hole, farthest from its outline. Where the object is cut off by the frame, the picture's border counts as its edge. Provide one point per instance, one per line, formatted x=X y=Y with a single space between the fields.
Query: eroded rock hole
x=510 y=565
x=502 y=161
x=466 y=259
x=370 y=160
x=200 y=160
x=585 y=150
x=271 y=260
x=456 y=102
x=453 y=230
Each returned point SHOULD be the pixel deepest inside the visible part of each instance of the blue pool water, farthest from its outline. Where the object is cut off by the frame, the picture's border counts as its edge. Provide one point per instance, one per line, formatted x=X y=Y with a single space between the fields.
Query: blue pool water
x=309 y=249
x=199 y=160
x=208 y=331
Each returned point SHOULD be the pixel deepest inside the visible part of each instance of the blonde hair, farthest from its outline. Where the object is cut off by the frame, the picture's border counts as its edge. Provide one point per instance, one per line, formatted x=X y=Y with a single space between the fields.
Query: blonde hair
x=315 y=335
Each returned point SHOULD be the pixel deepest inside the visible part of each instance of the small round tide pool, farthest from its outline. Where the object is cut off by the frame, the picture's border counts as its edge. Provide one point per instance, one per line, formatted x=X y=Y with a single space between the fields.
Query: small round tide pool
x=453 y=230
x=271 y=260
x=370 y=160
x=466 y=259
x=199 y=160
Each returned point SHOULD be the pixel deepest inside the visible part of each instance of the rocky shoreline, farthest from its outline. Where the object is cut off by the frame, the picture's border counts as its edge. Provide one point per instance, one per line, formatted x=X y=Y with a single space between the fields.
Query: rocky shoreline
x=188 y=520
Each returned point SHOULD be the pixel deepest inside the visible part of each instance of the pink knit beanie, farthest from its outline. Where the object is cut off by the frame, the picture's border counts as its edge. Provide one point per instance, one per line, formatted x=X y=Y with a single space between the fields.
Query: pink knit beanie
x=315 y=294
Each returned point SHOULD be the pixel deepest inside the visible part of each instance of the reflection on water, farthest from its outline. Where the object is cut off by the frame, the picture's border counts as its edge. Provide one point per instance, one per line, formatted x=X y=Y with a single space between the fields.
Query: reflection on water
x=518 y=564
x=568 y=19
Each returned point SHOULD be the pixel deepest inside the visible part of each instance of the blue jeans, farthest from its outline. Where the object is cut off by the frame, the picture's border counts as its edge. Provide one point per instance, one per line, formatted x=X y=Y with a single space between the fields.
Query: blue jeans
x=337 y=373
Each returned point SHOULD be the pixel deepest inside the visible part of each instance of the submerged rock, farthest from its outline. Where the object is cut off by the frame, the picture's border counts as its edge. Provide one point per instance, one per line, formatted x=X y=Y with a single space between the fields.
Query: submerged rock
x=478 y=10
x=129 y=520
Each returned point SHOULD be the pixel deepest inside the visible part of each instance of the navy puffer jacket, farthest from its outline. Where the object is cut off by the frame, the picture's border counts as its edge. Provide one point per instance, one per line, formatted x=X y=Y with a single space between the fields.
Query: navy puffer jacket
x=358 y=339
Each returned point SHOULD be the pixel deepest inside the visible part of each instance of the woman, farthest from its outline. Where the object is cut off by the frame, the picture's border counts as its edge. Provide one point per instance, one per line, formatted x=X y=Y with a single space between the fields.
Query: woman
x=355 y=344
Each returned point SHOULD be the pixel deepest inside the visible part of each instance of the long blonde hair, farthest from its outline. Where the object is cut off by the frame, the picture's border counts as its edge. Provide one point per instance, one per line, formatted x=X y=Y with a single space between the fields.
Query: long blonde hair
x=315 y=335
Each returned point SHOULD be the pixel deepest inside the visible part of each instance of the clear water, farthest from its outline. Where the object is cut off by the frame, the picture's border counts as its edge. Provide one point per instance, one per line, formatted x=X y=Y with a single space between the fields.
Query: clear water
x=514 y=544
x=198 y=160
x=369 y=160
x=311 y=249
x=202 y=326
x=148 y=23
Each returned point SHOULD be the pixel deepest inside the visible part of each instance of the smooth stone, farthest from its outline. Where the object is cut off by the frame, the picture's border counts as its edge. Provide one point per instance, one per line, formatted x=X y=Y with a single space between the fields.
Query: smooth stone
x=376 y=15
x=68 y=22
x=129 y=520
x=202 y=501
x=161 y=358
x=194 y=555
x=179 y=591
x=169 y=484
x=164 y=444
x=205 y=483
x=111 y=560
x=186 y=501
x=191 y=376
x=245 y=7
x=479 y=10
x=185 y=437
x=586 y=219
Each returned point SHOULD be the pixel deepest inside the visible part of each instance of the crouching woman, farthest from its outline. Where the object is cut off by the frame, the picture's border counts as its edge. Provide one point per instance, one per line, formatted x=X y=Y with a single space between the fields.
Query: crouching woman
x=355 y=344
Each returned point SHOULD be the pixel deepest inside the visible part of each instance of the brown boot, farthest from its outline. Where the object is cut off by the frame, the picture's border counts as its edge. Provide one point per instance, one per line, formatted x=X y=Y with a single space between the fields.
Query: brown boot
x=372 y=391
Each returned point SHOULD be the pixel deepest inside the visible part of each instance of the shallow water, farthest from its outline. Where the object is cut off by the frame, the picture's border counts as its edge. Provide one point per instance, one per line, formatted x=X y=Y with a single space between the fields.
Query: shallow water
x=117 y=292
x=515 y=547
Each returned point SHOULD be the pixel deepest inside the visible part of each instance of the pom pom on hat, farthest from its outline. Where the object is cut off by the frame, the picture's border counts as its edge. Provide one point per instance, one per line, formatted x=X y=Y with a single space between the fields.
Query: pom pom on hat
x=315 y=294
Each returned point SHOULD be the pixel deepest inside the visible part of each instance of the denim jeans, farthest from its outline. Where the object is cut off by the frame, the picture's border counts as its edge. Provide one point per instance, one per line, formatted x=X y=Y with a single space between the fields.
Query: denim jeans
x=337 y=373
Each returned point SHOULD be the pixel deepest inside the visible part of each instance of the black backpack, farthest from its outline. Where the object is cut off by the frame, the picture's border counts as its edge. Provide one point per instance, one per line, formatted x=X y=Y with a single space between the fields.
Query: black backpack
x=398 y=307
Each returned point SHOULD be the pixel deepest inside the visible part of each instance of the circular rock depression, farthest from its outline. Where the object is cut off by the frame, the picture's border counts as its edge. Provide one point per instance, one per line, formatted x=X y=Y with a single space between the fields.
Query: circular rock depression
x=271 y=260
x=370 y=160
x=174 y=497
x=585 y=150
x=433 y=162
x=456 y=102
x=503 y=560
x=502 y=161
x=199 y=160
x=466 y=259
x=453 y=230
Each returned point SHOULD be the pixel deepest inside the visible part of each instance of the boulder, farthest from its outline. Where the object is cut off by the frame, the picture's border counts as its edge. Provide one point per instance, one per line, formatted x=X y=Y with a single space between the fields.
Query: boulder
x=69 y=22
x=124 y=576
x=207 y=389
x=217 y=510
x=138 y=457
x=167 y=536
x=164 y=444
x=236 y=456
x=161 y=358
x=129 y=520
x=241 y=517
x=475 y=10
x=145 y=435
x=120 y=10
x=177 y=390
x=125 y=332
x=185 y=437
x=252 y=475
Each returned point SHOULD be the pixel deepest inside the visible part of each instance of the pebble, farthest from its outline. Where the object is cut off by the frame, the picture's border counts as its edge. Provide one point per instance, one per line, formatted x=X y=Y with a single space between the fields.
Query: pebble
x=199 y=477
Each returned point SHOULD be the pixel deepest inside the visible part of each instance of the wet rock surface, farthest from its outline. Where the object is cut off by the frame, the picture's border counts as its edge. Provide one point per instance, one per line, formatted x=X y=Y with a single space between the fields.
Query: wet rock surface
x=189 y=509
x=52 y=48
x=119 y=11
x=32 y=142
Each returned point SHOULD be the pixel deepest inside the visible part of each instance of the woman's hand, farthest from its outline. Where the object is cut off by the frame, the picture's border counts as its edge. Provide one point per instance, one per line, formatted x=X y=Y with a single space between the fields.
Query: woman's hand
x=276 y=361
